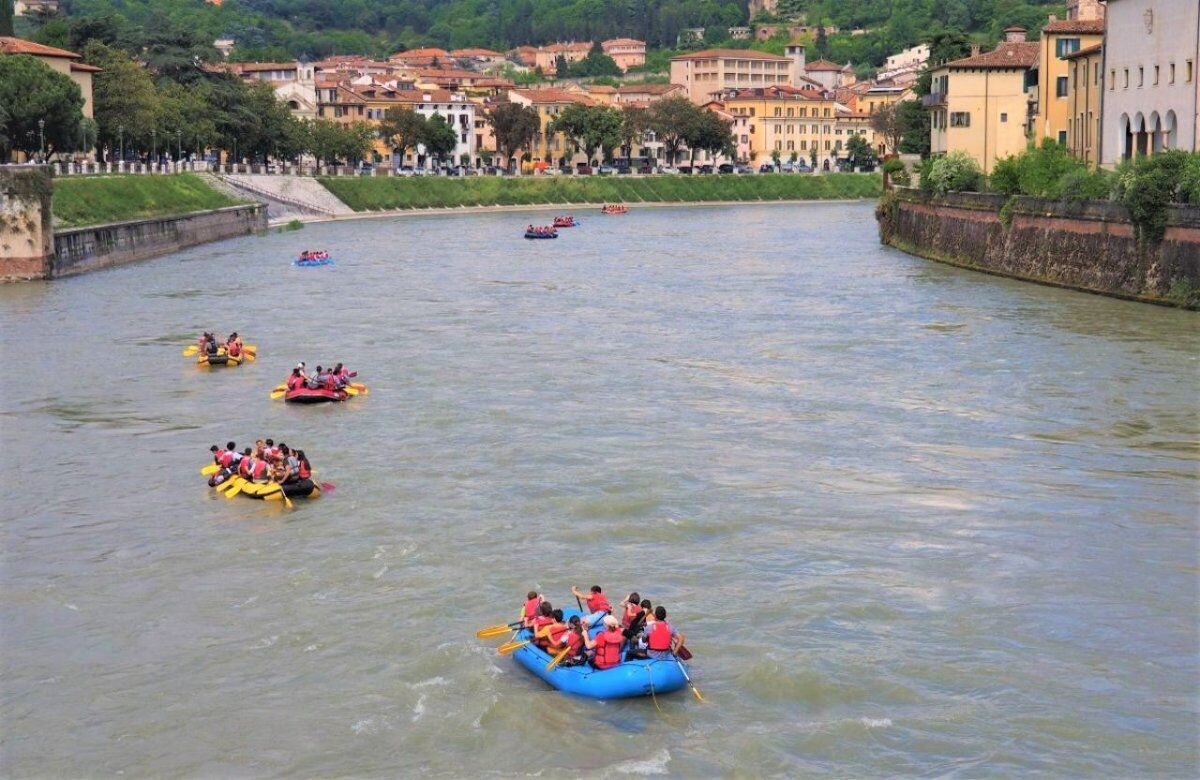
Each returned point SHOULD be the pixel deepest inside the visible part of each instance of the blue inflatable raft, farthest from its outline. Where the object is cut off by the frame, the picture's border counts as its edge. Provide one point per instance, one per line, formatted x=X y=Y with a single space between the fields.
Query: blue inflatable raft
x=540 y=235
x=630 y=678
x=312 y=263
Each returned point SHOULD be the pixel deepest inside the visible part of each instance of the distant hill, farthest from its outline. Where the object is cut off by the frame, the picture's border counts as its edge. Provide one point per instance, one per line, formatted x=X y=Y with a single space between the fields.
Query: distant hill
x=271 y=29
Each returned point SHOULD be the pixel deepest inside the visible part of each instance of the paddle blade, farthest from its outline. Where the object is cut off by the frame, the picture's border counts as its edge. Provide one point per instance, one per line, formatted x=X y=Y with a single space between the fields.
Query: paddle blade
x=684 y=654
x=189 y=351
x=350 y=391
x=210 y=469
x=491 y=631
x=511 y=647
x=237 y=488
x=554 y=662
x=696 y=691
x=249 y=356
x=326 y=486
x=277 y=394
x=250 y=348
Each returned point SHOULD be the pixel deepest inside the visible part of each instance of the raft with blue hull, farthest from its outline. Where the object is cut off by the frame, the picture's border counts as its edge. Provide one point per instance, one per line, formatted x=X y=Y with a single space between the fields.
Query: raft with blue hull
x=630 y=678
x=540 y=235
x=312 y=263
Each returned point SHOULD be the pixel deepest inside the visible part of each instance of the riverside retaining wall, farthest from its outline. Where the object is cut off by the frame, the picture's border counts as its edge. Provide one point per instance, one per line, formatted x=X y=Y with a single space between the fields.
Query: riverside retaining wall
x=26 y=229
x=1088 y=246
x=87 y=248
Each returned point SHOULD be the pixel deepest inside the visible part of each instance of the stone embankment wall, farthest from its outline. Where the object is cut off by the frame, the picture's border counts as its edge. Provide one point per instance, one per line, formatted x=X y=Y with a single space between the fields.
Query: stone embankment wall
x=88 y=248
x=26 y=228
x=1090 y=246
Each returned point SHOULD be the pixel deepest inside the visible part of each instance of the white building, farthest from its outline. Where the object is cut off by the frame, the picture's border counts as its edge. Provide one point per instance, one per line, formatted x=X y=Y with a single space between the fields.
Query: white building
x=908 y=59
x=1151 y=90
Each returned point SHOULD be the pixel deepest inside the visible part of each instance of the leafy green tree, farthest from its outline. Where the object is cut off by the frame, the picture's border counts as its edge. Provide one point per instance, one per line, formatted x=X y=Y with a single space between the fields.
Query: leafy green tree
x=515 y=127
x=886 y=120
x=915 y=128
x=32 y=91
x=125 y=103
x=859 y=150
x=186 y=109
x=673 y=120
x=331 y=141
x=439 y=137
x=635 y=122
x=6 y=17
x=709 y=133
x=589 y=127
x=402 y=129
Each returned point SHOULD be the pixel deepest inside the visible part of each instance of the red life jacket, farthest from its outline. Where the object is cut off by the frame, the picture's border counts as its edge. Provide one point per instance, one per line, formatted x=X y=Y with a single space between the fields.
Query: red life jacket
x=244 y=466
x=555 y=632
x=631 y=611
x=597 y=603
x=538 y=623
x=531 y=607
x=660 y=636
x=608 y=649
x=574 y=643
x=304 y=471
x=232 y=349
x=330 y=382
x=224 y=459
x=294 y=382
x=259 y=469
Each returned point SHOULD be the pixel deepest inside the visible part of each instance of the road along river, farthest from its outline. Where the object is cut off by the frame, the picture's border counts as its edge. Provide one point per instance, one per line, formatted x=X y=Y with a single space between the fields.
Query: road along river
x=914 y=520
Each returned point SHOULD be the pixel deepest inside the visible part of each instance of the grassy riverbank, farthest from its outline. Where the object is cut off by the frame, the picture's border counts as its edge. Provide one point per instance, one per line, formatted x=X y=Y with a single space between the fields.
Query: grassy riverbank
x=386 y=193
x=95 y=200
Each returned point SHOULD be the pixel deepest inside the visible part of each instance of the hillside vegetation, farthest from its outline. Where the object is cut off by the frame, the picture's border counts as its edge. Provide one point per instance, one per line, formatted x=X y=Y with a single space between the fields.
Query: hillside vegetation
x=374 y=194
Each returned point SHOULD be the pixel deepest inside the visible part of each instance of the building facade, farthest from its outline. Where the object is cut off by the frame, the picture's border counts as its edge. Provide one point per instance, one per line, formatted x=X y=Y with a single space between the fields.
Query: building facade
x=1061 y=38
x=708 y=74
x=1151 y=91
x=983 y=104
x=548 y=147
x=346 y=103
x=626 y=52
x=795 y=123
x=1085 y=92
x=66 y=62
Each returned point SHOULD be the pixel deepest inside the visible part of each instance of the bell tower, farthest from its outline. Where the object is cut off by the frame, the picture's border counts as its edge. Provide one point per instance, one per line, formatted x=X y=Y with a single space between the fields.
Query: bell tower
x=1085 y=10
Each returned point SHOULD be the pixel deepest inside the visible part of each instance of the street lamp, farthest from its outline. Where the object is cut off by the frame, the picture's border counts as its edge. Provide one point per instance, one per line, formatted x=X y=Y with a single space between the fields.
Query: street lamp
x=154 y=148
x=121 y=142
x=178 y=145
x=42 y=137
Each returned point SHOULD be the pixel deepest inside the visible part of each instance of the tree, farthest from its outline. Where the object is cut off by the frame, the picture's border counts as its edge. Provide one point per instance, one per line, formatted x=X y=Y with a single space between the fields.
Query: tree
x=775 y=157
x=709 y=133
x=32 y=91
x=6 y=17
x=187 y=110
x=331 y=141
x=944 y=45
x=402 y=129
x=673 y=120
x=886 y=121
x=859 y=151
x=635 y=121
x=915 y=128
x=589 y=127
x=439 y=137
x=515 y=127
x=124 y=99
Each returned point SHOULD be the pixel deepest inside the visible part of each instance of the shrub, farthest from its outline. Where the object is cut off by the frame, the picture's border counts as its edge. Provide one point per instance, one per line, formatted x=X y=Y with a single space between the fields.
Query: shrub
x=1038 y=172
x=1083 y=184
x=923 y=170
x=1148 y=185
x=897 y=172
x=1006 y=176
x=955 y=172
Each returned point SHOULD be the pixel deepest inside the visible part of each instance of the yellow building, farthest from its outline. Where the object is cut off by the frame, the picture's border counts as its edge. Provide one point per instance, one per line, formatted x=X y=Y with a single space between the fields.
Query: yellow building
x=707 y=74
x=1060 y=38
x=548 y=147
x=1085 y=89
x=982 y=104
x=804 y=122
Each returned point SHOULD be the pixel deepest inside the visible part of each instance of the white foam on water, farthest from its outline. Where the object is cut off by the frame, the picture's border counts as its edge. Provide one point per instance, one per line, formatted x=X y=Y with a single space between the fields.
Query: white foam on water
x=310 y=648
x=380 y=573
x=655 y=765
x=71 y=606
x=266 y=642
x=419 y=709
x=429 y=682
x=876 y=723
x=246 y=603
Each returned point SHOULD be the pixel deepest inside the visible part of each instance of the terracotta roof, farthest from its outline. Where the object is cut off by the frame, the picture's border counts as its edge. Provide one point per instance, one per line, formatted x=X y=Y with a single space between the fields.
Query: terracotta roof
x=775 y=92
x=246 y=67
x=1015 y=28
x=552 y=96
x=601 y=89
x=1084 y=26
x=81 y=67
x=622 y=42
x=447 y=73
x=823 y=65
x=1084 y=52
x=405 y=95
x=416 y=53
x=565 y=47
x=730 y=54
x=1017 y=54
x=10 y=45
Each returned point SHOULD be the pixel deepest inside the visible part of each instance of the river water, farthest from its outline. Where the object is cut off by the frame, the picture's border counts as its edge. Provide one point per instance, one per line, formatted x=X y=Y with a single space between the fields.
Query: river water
x=913 y=520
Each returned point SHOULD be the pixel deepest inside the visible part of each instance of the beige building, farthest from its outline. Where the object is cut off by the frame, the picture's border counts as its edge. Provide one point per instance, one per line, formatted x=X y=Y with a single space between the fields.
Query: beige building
x=549 y=148
x=65 y=62
x=982 y=104
x=626 y=52
x=643 y=94
x=1151 y=89
x=546 y=57
x=707 y=74
x=1084 y=94
x=1060 y=38
x=796 y=123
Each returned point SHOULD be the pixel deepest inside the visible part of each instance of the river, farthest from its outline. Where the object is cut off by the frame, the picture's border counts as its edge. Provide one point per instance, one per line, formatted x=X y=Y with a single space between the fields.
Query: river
x=914 y=520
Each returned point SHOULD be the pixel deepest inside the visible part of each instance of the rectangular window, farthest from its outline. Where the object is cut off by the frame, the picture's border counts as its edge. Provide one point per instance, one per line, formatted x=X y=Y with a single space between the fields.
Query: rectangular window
x=1125 y=85
x=960 y=119
x=1187 y=72
x=1155 y=76
x=1096 y=74
x=1141 y=76
x=826 y=146
x=1003 y=116
x=1112 y=79
x=804 y=144
x=1065 y=46
x=1060 y=87
x=1062 y=137
x=1171 y=73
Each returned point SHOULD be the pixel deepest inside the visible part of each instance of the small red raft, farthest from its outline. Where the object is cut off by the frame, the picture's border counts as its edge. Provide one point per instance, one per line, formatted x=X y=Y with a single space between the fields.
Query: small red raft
x=306 y=395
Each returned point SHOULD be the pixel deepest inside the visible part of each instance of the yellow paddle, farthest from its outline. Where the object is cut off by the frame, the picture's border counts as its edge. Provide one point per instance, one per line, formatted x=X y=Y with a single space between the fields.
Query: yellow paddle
x=276 y=394
x=491 y=631
x=286 y=501
x=350 y=390
x=558 y=658
x=189 y=351
x=237 y=487
x=511 y=647
x=210 y=469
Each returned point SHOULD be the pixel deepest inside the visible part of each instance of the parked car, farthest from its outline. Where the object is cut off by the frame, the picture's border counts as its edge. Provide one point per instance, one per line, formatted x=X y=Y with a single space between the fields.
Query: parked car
x=725 y=168
x=705 y=169
x=607 y=170
x=584 y=170
x=743 y=169
x=766 y=168
x=420 y=171
x=405 y=170
x=648 y=169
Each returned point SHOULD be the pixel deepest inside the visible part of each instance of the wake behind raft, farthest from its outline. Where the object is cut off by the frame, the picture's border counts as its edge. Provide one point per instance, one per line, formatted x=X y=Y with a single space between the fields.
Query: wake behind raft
x=630 y=678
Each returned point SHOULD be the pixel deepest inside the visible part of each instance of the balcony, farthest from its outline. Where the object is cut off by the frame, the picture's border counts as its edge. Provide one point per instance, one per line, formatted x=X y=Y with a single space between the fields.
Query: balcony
x=933 y=100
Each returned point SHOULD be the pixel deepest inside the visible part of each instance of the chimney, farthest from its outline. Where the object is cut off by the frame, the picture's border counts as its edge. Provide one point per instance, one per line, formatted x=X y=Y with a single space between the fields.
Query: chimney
x=974 y=49
x=1014 y=35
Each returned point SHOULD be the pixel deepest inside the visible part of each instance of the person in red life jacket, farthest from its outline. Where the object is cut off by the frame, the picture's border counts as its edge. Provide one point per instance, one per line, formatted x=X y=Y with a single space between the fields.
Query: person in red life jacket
x=253 y=468
x=533 y=600
x=233 y=345
x=662 y=641
x=551 y=634
x=270 y=451
x=630 y=606
x=303 y=467
x=330 y=382
x=544 y=617
x=607 y=644
x=597 y=604
x=295 y=380
x=259 y=446
x=573 y=640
